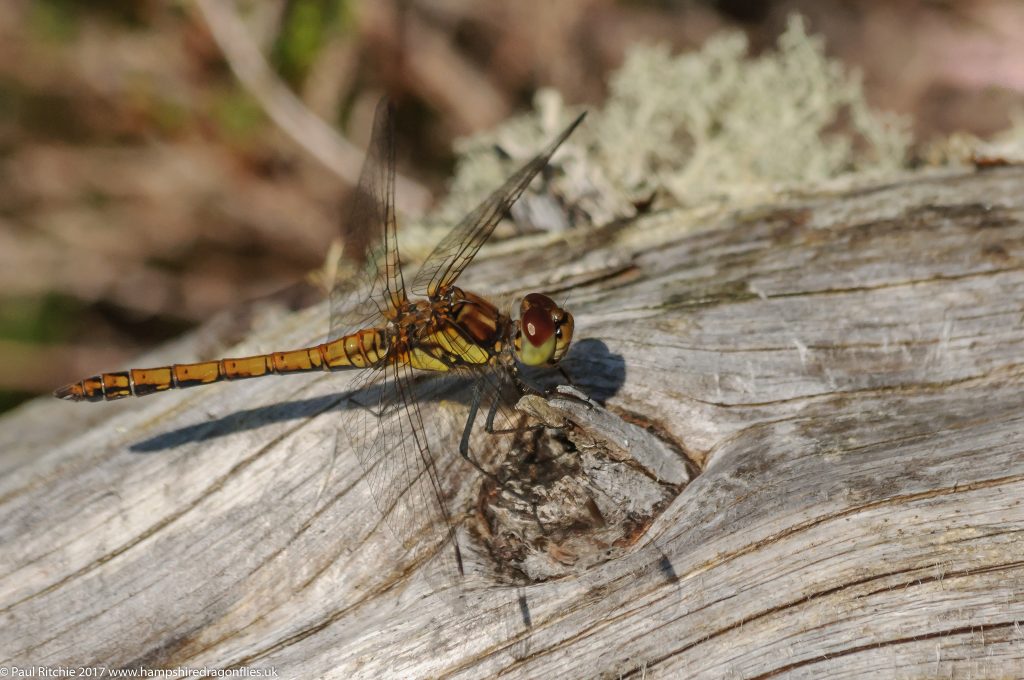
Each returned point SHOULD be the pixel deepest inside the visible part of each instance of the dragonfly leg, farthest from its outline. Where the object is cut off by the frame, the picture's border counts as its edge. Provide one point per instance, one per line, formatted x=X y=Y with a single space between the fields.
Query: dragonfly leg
x=523 y=386
x=474 y=408
x=489 y=423
x=489 y=428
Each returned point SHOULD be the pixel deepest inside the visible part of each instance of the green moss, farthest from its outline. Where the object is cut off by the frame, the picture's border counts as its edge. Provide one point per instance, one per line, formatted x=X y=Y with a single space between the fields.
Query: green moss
x=305 y=31
x=58 y=21
x=34 y=322
x=238 y=115
x=53 y=20
x=37 y=320
x=168 y=115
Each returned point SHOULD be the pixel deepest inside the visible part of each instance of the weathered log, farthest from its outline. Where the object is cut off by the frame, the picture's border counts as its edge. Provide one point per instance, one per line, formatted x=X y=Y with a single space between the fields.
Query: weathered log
x=842 y=372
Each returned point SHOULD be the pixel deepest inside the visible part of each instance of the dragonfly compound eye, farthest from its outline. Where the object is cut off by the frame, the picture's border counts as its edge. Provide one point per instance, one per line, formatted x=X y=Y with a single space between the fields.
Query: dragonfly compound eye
x=547 y=329
x=538 y=330
x=563 y=334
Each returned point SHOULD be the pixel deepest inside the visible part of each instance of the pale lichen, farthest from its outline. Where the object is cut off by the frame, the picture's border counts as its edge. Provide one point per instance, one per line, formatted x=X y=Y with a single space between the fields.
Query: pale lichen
x=719 y=123
x=716 y=124
x=963 y=148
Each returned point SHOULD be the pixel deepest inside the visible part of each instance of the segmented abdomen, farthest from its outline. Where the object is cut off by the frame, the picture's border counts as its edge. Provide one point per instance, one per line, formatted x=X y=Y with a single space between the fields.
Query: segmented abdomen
x=365 y=348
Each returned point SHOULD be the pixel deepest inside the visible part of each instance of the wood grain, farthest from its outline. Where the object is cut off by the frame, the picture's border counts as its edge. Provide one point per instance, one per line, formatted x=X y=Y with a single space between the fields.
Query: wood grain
x=843 y=371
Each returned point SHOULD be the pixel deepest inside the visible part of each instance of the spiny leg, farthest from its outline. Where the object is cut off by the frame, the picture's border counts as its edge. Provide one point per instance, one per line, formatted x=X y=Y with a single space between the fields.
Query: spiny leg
x=474 y=407
x=489 y=423
x=464 y=451
x=526 y=388
x=553 y=390
x=489 y=428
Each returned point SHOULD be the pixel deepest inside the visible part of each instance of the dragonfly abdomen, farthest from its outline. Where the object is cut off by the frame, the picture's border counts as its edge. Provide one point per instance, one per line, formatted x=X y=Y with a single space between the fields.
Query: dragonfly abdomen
x=359 y=350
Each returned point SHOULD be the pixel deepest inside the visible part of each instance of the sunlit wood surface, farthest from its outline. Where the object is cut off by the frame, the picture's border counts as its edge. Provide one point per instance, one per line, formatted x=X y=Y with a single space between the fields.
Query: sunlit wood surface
x=844 y=369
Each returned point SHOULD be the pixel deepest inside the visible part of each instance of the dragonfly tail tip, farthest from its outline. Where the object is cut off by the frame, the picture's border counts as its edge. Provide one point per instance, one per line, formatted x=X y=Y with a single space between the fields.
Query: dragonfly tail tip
x=69 y=392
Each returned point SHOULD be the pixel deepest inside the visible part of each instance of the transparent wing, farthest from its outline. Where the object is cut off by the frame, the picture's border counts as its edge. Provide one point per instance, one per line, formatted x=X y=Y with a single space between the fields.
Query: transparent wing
x=387 y=432
x=456 y=250
x=369 y=238
x=384 y=424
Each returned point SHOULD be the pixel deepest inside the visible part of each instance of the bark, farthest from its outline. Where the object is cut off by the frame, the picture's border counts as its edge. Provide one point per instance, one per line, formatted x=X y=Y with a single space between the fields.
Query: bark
x=840 y=376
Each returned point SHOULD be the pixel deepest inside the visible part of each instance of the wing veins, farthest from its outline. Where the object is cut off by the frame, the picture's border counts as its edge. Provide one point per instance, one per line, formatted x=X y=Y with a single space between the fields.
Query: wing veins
x=369 y=237
x=458 y=248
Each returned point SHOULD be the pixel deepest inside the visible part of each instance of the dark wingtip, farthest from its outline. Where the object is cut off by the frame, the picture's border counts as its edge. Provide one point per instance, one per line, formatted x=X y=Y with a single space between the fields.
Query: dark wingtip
x=458 y=560
x=572 y=126
x=562 y=136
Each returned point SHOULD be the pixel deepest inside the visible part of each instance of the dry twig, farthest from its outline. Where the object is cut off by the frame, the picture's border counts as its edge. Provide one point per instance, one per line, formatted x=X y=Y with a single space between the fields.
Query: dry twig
x=287 y=111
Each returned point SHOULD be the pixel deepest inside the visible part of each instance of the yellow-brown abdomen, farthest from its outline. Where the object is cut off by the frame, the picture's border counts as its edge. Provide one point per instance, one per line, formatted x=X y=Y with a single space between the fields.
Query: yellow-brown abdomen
x=363 y=349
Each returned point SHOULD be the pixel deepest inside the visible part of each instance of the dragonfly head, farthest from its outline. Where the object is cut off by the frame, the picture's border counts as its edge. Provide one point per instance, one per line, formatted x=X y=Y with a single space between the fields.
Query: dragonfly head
x=543 y=332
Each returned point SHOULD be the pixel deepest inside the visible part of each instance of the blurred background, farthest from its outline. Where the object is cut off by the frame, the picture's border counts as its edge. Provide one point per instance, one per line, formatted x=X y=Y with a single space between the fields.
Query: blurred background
x=162 y=163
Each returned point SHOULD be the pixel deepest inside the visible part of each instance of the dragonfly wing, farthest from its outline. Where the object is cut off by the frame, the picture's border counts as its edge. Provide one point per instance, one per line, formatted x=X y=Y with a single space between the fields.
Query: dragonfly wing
x=384 y=424
x=369 y=238
x=456 y=250
x=387 y=432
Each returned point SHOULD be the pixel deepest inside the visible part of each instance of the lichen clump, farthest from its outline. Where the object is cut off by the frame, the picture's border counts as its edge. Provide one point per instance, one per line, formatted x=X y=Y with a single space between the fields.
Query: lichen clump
x=689 y=128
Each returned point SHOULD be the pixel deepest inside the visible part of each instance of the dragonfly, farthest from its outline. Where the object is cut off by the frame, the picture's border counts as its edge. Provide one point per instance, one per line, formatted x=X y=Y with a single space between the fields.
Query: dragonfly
x=378 y=327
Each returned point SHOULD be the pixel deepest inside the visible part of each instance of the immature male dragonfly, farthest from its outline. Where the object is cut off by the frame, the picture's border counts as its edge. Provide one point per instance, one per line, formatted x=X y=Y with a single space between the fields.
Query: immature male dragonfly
x=380 y=329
